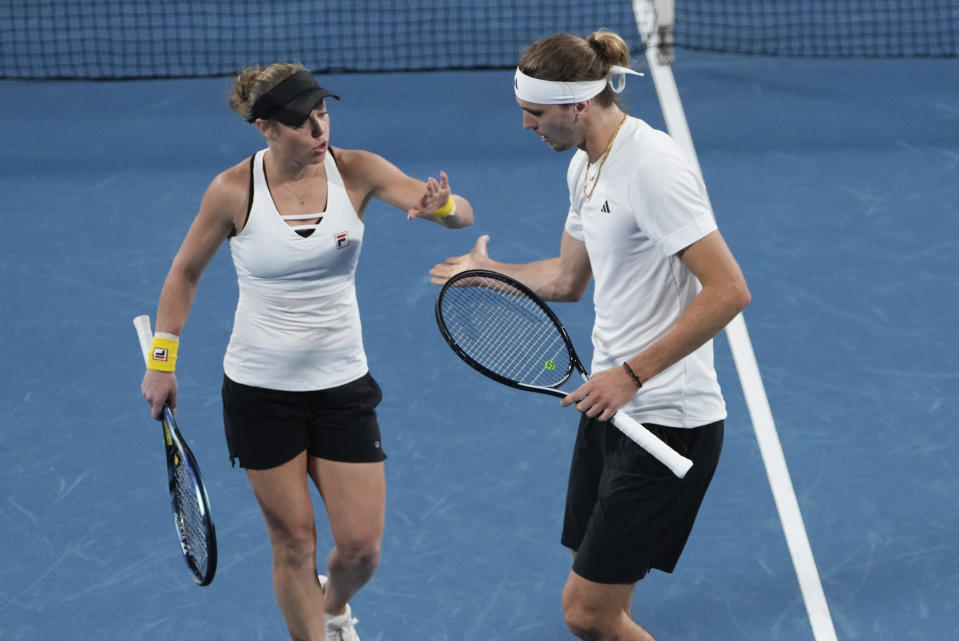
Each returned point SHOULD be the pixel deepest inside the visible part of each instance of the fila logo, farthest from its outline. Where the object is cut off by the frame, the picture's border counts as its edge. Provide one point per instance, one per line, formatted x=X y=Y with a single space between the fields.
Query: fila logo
x=342 y=240
x=160 y=354
x=605 y=207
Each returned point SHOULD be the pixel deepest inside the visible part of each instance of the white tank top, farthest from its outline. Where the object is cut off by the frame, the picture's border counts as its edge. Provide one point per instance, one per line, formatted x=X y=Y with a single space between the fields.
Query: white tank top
x=297 y=322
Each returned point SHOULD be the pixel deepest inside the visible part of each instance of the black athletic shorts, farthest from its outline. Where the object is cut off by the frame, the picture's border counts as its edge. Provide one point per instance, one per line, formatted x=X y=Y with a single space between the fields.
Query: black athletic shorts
x=266 y=428
x=625 y=511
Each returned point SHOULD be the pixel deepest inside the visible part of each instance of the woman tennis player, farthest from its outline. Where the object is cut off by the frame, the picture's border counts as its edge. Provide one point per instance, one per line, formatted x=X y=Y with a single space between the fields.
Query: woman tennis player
x=665 y=284
x=298 y=398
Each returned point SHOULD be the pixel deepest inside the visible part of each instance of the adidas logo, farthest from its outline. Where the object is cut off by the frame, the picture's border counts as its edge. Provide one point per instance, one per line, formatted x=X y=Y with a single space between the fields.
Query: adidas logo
x=605 y=207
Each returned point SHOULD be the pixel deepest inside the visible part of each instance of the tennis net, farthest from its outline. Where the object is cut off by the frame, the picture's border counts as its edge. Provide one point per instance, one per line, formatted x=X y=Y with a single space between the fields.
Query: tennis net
x=87 y=39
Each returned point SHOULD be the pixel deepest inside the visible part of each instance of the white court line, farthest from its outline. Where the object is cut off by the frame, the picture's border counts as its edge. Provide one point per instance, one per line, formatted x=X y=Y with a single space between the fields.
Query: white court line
x=754 y=392
x=783 y=493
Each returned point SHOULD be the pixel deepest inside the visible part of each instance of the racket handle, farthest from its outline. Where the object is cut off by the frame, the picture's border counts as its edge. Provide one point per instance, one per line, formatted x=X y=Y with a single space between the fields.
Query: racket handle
x=676 y=462
x=145 y=334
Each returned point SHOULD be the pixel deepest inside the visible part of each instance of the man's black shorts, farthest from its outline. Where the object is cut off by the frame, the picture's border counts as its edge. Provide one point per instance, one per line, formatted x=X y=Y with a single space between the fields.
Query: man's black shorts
x=266 y=428
x=625 y=511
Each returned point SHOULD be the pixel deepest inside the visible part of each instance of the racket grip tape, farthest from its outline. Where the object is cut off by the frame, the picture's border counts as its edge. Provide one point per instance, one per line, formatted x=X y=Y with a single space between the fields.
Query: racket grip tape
x=145 y=334
x=676 y=462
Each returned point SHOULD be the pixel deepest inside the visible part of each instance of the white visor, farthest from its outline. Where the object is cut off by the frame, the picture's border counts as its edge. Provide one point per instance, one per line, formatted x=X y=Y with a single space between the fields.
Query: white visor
x=553 y=92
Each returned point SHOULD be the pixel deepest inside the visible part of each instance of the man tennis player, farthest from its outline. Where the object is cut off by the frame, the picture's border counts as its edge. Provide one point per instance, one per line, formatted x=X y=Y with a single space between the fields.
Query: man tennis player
x=665 y=284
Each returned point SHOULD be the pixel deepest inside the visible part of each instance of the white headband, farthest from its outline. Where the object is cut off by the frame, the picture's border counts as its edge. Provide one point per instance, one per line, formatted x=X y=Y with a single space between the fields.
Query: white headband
x=552 y=92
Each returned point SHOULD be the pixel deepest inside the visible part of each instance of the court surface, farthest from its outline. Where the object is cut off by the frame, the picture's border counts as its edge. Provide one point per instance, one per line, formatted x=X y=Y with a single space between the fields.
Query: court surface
x=836 y=184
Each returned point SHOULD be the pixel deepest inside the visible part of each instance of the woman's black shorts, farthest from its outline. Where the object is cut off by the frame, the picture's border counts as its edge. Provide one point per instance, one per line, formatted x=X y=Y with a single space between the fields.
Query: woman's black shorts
x=266 y=428
x=625 y=511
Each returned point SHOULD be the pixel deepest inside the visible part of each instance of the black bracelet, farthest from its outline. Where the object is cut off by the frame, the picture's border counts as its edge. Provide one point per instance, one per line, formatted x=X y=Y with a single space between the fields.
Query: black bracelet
x=632 y=375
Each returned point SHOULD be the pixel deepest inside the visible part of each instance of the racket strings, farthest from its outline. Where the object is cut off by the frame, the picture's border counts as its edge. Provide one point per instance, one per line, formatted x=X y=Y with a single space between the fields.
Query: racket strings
x=506 y=332
x=539 y=361
x=191 y=518
x=524 y=335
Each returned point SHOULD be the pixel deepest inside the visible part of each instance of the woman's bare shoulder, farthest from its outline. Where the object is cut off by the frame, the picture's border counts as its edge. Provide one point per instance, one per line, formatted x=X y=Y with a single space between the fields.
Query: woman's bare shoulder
x=228 y=196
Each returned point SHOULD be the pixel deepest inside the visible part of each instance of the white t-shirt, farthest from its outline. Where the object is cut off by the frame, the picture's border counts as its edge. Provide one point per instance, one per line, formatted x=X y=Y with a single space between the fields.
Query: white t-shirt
x=648 y=205
x=297 y=322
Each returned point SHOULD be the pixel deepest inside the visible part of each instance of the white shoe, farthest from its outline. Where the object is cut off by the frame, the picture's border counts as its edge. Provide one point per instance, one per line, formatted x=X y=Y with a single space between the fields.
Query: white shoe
x=340 y=627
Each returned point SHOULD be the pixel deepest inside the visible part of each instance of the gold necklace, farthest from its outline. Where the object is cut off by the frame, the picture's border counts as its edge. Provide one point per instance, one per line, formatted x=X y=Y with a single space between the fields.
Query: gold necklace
x=308 y=185
x=599 y=169
x=299 y=197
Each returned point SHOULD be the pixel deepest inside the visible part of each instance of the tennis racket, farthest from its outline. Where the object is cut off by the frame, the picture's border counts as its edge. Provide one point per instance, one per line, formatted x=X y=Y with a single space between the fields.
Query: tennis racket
x=505 y=331
x=191 y=506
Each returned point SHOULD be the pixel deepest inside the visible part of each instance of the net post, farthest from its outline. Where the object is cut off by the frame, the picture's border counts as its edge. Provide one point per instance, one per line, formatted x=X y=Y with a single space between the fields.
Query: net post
x=654 y=20
x=663 y=40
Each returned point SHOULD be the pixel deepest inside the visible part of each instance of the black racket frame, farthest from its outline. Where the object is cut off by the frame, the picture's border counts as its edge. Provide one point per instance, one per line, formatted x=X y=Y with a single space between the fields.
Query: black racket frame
x=178 y=454
x=574 y=362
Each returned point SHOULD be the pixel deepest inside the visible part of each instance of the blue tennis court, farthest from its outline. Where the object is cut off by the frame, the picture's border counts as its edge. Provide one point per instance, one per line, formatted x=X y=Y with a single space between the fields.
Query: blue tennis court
x=835 y=183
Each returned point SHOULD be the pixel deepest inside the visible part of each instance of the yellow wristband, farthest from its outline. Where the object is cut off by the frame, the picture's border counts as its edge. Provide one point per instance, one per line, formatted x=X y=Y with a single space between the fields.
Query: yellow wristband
x=163 y=354
x=446 y=210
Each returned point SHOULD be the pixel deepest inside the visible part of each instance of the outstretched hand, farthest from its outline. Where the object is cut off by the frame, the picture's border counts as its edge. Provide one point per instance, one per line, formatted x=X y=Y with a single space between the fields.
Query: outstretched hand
x=436 y=195
x=478 y=258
